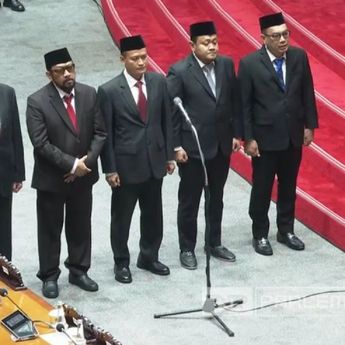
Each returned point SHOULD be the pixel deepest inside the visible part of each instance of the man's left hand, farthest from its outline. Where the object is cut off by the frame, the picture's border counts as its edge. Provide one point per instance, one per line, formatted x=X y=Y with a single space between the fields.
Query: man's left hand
x=170 y=166
x=236 y=144
x=17 y=186
x=308 y=136
x=68 y=178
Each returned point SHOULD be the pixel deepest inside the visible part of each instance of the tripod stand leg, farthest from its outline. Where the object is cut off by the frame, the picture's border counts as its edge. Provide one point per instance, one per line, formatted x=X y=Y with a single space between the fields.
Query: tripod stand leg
x=157 y=316
x=229 y=332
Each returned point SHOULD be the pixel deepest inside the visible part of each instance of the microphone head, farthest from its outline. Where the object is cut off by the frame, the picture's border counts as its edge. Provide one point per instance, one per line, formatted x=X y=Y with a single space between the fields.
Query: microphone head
x=60 y=327
x=3 y=292
x=177 y=101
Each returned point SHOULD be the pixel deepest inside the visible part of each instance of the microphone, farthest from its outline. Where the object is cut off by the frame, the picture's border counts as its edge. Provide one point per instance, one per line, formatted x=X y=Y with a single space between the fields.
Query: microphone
x=179 y=104
x=61 y=328
x=3 y=292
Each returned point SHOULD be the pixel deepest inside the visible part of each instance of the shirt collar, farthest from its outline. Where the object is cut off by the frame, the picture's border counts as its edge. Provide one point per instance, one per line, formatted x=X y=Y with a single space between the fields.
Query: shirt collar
x=272 y=57
x=201 y=64
x=132 y=81
x=63 y=93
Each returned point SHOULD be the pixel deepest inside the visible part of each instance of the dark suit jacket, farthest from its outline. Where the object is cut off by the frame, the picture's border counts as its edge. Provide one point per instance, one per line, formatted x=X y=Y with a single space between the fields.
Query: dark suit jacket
x=11 y=144
x=136 y=150
x=56 y=143
x=271 y=116
x=215 y=118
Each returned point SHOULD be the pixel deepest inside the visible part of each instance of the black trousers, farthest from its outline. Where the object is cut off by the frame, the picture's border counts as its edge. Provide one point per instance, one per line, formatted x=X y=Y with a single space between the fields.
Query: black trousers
x=53 y=210
x=191 y=186
x=6 y=226
x=124 y=199
x=285 y=165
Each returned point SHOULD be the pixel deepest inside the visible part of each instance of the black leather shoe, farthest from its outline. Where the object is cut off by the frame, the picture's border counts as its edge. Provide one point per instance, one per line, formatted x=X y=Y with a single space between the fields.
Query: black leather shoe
x=83 y=281
x=291 y=240
x=15 y=5
x=223 y=253
x=122 y=273
x=188 y=260
x=50 y=289
x=154 y=267
x=262 y=246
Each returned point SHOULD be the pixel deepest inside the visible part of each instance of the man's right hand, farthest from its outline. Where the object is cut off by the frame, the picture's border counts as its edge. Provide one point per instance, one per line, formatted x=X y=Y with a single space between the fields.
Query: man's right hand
x=82 y=169
x=181 y=156
x=113 y=180
x=251 y=148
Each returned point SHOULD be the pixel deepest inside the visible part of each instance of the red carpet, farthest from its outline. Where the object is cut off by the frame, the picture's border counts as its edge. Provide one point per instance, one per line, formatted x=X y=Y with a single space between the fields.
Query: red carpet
x=316 y=25
x=325 y=18
x=322 y=179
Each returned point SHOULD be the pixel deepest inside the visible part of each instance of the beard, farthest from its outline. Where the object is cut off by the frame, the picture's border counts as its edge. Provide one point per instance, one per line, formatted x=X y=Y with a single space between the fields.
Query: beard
x=68 y=85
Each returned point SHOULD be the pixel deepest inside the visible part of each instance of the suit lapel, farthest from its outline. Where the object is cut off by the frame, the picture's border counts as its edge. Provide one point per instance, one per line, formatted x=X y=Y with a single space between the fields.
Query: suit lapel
x=219 y=72
x=199 y=75
x=150 y=90
x=290 y=62
x=59 y=107
x=265 y=59
x=78 y=106
x=128 y=97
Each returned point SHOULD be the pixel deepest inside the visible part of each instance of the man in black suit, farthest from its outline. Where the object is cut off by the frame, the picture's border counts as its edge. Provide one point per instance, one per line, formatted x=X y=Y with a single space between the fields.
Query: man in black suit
x=280 y=115
x=136 y=156
x=206 y=84
x=67 y=131
x=12 y=173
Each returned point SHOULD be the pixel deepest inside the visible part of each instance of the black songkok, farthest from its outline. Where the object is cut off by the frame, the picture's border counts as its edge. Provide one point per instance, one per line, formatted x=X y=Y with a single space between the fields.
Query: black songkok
x=131 y=43
x=202 y=29
x=55 y=57
x=271 y=20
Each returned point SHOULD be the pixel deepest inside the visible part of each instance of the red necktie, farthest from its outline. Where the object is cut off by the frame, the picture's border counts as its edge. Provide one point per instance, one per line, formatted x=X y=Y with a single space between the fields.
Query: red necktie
x=142 y=101
x=70 y=111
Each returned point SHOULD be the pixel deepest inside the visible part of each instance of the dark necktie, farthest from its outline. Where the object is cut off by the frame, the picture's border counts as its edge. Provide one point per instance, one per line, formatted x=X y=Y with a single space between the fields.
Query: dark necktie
x=142 y=101
x=208 y=70
x=70 y=111
x=278 y=64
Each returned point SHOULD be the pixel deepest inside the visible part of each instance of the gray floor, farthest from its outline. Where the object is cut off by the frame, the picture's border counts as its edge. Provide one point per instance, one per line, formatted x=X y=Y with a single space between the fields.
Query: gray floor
x=127 y=310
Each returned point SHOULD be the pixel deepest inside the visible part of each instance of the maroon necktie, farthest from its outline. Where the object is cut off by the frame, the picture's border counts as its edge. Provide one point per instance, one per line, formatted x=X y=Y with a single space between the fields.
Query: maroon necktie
x=142 y=101
x=70 y=111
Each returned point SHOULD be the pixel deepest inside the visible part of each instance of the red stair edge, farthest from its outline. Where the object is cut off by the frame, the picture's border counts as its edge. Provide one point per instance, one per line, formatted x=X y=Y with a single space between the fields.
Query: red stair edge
x=309 y=212
x=118 y=28
x=326 y=226
x=334 y=60
x=315 y=155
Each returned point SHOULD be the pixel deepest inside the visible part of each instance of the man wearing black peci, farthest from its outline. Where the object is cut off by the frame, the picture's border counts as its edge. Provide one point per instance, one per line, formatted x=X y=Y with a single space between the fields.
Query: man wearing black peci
x=67 y=132
x=280 y=116
x=206 y=84
x=137 y=155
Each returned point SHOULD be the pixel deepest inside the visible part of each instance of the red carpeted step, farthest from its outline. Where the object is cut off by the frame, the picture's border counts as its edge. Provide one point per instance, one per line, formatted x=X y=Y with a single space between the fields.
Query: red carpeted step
x=314 y=166
x=332 y=120
x=160 y=46
x=246 y=14
x=318 y=32
x=325 y=18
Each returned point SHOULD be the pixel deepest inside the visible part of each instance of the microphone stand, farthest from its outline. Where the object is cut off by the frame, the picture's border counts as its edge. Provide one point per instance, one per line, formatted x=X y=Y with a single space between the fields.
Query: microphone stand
x=210 y=304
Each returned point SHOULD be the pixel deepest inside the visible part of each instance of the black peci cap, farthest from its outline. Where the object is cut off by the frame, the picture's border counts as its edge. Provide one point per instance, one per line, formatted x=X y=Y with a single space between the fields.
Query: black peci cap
x=131 y=43
x=202 y=28
x=271 y=20
x=56 y=56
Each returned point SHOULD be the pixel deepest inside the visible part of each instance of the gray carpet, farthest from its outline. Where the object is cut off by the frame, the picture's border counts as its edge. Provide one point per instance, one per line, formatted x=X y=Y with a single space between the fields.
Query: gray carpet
x=127 y=310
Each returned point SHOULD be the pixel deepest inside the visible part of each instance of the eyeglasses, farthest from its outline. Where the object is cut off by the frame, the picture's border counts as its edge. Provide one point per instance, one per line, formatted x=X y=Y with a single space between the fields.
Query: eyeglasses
x=277 y=35
x=61 y=69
